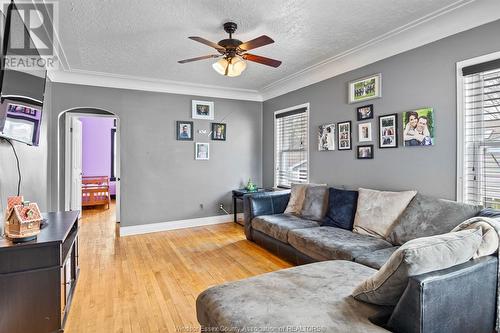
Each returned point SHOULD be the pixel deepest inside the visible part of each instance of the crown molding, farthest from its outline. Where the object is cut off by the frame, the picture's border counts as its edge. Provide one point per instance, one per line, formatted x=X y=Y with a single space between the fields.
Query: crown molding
x=98 y=79
x=456 y=18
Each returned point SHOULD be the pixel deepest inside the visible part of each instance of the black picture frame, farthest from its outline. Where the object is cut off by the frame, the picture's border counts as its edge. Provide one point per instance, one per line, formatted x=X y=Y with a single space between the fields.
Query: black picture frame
x=178 y=125
x=217 y=137
x=369 y=157
x=383 y=137
x=341 y=141
x=360 y=116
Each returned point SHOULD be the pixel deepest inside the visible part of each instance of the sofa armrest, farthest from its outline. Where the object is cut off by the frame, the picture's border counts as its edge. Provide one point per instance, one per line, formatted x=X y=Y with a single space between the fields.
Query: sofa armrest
x=265 y=203
x=458 y=299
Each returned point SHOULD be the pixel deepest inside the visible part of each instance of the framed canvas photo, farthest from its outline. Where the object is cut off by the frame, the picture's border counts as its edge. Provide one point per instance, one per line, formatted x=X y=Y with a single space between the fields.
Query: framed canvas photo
x=202 y=151
x=365 y=132
x=366 y=88
x=388 y=131
x=184 y=130
x=202 y=110
x=365 y=112
x=219 y=131
x=326 y=137
x=344 y=135
x=418 y=128
x=365 y=152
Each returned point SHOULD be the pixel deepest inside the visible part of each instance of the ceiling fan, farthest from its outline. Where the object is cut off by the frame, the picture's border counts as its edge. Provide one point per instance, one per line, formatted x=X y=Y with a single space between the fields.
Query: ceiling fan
x=234 y=52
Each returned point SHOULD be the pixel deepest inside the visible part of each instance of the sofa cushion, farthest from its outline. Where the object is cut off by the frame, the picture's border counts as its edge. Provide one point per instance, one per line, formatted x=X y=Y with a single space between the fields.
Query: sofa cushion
x=327 y=243
x=297 y=195
x=278 y=226
x=376 y=259
x=378 y=210
x=273 y=301
x=315 y=203
x=427 y=216
x=418 y=256
x=341 y=208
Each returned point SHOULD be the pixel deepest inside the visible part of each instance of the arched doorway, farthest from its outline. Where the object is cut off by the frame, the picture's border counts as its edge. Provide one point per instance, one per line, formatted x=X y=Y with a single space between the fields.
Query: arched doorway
x=71 y=173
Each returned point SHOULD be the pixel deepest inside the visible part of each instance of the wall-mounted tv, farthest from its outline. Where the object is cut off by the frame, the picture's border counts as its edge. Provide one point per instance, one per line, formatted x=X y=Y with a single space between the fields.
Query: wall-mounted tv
x=21 y=89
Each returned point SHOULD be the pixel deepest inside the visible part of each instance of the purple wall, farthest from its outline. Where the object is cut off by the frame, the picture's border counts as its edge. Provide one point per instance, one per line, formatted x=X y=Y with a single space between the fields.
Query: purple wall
x=96 y=159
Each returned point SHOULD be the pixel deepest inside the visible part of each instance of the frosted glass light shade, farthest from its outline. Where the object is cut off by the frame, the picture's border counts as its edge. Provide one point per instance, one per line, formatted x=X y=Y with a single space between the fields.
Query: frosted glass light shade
x=232 y=67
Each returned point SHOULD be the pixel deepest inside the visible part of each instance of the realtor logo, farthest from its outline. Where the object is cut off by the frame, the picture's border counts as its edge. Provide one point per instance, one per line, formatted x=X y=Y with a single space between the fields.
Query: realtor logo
x=30 y=29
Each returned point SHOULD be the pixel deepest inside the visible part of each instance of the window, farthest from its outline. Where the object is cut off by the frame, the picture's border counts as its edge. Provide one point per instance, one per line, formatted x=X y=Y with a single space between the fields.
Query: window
x=479 y=134
x=113 y=154
x=291 y=159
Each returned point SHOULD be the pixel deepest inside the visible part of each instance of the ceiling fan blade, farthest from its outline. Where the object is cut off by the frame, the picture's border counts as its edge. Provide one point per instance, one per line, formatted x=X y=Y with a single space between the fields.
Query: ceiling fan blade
x=262 y=60
x=199 y=58
x=207 y=42
x=255 y=43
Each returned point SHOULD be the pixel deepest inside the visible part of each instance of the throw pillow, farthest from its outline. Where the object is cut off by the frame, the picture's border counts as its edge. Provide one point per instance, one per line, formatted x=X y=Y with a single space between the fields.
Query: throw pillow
x=315 y=203
x=297 y=195
x=418 y=256
x=377 y=211
x=341 y=208
x=428 y=216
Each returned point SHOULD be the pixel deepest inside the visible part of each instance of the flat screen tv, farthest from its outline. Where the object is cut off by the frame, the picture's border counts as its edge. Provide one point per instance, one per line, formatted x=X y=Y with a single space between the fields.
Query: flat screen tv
x=21 y=89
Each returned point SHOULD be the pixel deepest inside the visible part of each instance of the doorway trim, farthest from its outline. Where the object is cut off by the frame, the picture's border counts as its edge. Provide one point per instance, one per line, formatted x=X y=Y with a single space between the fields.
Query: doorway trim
x=72 y=113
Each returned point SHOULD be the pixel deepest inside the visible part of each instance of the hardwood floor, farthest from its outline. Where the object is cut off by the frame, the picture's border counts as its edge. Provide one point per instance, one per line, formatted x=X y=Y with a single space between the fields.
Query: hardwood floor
x=149 y=283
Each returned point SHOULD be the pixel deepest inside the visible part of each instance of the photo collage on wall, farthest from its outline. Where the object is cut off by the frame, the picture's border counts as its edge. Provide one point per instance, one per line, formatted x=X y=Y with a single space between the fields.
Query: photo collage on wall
x=185 y=131
x=418 y=126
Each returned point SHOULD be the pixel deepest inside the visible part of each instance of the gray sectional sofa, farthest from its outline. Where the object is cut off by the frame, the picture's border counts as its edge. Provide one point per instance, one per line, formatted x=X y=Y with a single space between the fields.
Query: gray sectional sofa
x=316 y=297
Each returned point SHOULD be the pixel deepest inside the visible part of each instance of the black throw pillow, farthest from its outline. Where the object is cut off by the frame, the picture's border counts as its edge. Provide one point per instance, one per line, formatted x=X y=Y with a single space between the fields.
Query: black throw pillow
x=341 y=208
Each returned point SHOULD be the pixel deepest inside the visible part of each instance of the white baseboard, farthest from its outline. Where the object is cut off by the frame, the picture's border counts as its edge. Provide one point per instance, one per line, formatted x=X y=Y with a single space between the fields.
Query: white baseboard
x=173 y=225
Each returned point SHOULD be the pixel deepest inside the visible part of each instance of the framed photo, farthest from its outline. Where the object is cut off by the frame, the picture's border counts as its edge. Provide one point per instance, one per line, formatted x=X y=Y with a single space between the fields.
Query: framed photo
x=326 y=137
x=388 y=131
x=366 y=88
x=418 y=128
x=184 y=130
x=365 y=152
x=202 y=151
x=344 y=135
x=219 y=131
x=365 y=132
x=202 y=110
x=365 y=112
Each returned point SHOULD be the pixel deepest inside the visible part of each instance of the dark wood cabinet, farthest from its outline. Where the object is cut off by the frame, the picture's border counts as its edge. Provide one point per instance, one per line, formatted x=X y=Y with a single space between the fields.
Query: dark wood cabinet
x=38 y=278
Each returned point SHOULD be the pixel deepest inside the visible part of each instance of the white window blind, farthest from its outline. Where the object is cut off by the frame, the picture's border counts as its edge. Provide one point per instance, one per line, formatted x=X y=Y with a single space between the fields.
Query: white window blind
x=291 y=155
x=481 y=160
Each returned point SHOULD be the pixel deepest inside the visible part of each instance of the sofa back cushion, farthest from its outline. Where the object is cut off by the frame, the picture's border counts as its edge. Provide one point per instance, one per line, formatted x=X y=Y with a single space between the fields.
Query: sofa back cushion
x=315 y=203
x=378 y=210
x=428 y=216
x=341 y=208
x=418 y=256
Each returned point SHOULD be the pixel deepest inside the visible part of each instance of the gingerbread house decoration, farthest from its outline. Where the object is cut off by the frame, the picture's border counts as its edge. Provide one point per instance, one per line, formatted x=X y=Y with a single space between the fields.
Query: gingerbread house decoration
x=24 y=220
x=11 y=202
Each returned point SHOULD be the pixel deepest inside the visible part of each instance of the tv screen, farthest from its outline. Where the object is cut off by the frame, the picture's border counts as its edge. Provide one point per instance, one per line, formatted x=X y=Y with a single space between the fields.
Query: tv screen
x=21 y=88
x=20 y=121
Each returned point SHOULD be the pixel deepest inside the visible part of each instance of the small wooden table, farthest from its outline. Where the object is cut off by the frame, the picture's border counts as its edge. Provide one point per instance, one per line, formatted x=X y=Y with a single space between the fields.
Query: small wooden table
x=238 y=195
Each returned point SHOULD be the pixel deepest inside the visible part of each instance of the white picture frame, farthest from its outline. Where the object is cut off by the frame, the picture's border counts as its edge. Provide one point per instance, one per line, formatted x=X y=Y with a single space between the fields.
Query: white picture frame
x=365 y=132
x=202 y=110
x=365 y=88
x=202 y=151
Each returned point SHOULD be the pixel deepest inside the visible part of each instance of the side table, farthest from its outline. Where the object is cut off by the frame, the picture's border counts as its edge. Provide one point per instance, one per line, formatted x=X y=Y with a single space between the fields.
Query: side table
x=238 y=195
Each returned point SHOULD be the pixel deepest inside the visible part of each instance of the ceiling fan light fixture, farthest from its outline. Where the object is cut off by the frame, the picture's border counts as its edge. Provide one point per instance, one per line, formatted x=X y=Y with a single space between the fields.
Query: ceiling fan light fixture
x=232 y=67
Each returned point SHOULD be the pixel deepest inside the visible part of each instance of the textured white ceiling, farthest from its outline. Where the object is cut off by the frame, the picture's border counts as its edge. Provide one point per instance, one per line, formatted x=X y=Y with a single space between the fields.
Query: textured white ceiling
x=146 y=38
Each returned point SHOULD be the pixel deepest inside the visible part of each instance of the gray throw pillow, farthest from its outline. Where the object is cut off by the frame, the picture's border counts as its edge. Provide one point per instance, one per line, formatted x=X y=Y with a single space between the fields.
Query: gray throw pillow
x=315 y=203
x=428 y=216
x=418 y=256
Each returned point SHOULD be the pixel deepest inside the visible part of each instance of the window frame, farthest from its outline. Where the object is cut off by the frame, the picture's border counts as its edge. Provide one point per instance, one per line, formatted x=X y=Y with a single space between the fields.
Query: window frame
x=461 y=118
x=308 y=137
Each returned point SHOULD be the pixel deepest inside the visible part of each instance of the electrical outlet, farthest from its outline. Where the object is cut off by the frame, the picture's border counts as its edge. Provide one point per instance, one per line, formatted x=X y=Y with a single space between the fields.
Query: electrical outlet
x=201 y=206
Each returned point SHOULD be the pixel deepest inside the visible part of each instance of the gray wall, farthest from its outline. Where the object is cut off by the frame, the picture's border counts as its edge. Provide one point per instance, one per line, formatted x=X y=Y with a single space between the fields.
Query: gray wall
x=33 y=165
x=422 y=77
x=160 y=179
